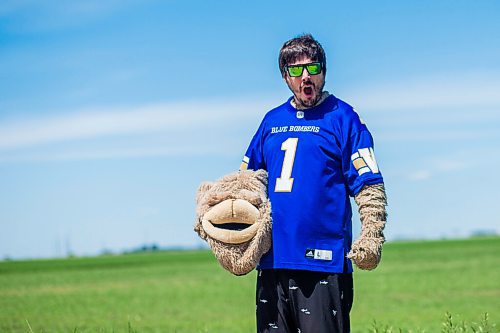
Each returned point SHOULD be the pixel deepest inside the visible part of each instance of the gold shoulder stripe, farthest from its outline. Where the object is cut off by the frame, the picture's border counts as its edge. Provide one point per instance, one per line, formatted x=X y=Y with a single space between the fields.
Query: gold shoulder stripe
x=359 y=163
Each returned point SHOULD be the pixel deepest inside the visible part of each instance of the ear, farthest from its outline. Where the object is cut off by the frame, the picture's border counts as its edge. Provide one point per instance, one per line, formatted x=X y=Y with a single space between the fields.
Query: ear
x=202 y=189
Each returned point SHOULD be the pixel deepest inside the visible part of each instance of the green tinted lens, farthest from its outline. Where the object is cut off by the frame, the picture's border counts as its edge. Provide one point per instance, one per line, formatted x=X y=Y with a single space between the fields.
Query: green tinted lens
x=314 y=68
x=295 y=70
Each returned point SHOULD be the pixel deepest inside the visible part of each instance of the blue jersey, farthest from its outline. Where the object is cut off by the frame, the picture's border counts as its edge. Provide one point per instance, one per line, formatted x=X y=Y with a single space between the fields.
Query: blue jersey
x=315 y=160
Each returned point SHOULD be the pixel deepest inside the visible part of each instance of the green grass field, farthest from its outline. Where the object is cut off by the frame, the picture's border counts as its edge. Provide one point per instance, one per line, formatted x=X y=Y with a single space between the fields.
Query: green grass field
x=416 y=284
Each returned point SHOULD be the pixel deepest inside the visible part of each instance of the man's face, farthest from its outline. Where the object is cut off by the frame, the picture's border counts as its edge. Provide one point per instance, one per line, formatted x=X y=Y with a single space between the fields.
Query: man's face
x=306 y=88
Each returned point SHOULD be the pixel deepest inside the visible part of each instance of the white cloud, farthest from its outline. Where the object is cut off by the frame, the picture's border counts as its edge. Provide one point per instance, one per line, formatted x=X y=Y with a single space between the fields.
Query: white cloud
x=439 y=166
x=221 y=148
x=420 y=175
x=434 y=91
x=97 y=123
x=417 y=133
x=451 y=162
x=432 y=108
x=192 y=128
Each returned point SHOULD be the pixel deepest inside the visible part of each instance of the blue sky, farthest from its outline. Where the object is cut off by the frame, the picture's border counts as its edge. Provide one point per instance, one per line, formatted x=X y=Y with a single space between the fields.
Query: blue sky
x=112 y=112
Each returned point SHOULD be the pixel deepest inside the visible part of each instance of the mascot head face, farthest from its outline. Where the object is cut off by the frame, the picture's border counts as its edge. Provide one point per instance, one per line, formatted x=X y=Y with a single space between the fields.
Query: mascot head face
x=234 y=217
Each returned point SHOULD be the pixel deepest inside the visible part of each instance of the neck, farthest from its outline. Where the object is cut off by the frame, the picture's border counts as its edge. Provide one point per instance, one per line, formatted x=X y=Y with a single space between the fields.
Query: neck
x=299 y=106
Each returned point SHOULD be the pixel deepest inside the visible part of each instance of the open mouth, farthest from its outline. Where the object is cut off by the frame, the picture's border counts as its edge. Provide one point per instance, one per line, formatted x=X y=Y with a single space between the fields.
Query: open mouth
x=308 y=91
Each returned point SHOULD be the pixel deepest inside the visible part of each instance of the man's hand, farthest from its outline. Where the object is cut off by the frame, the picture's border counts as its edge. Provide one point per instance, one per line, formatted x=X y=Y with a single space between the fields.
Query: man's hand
x=366 y=251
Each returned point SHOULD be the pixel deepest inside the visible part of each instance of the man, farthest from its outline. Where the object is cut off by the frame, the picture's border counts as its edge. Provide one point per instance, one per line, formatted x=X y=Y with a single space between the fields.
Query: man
x=318 y=152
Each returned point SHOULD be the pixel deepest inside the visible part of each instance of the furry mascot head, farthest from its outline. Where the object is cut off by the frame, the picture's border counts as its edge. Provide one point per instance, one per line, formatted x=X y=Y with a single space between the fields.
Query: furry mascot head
x=233 y=215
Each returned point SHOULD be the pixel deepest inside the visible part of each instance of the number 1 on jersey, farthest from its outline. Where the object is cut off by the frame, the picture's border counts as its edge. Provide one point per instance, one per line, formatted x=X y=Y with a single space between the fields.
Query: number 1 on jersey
x=285 y=182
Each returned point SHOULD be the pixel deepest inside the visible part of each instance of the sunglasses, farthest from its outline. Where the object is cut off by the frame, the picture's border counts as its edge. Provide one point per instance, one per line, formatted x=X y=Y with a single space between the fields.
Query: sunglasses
x=313 y=68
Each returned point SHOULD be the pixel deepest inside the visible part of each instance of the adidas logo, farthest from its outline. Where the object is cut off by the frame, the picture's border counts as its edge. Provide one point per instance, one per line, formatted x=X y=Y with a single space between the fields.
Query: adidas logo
x=309 y=253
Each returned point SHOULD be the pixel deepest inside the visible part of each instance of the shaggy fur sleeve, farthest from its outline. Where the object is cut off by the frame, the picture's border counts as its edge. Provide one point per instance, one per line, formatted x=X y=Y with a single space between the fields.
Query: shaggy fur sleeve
x=366 y=251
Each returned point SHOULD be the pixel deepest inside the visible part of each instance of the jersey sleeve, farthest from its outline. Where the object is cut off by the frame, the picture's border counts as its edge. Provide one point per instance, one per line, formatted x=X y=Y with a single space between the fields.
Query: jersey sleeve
x=360 y=167
x=254 y=157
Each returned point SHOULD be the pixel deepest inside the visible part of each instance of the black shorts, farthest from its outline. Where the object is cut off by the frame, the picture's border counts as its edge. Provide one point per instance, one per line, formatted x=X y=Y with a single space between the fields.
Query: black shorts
x=303 y=301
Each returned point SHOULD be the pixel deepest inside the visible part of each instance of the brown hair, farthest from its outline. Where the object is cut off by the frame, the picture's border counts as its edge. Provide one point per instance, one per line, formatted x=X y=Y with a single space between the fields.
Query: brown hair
x=298 y=47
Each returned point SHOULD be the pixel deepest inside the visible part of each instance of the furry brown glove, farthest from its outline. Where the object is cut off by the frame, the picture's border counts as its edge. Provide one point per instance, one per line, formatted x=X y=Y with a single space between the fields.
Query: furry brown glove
x=234 y=218
x=366 y=251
